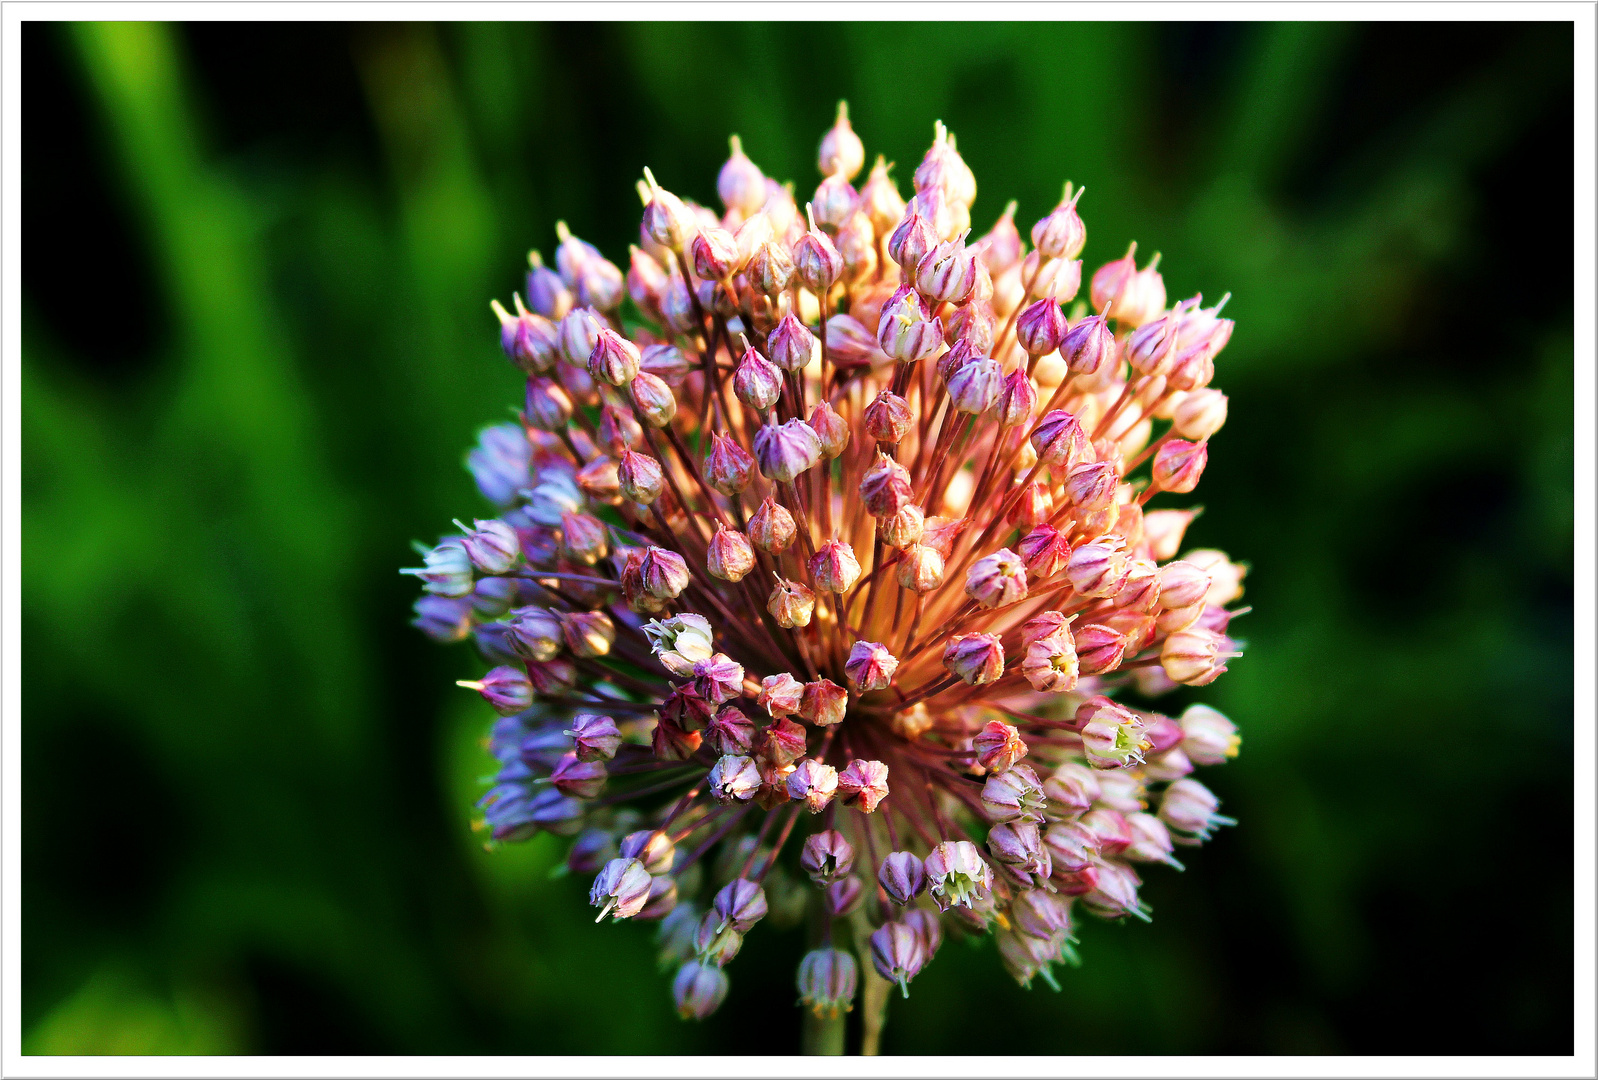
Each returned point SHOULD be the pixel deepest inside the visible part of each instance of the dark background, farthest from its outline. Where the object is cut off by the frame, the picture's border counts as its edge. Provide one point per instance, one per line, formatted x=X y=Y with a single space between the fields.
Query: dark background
x=257 y=344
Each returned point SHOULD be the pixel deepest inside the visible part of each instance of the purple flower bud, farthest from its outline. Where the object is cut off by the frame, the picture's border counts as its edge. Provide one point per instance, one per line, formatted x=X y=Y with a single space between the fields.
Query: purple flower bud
x=677 y=306
x=841 y=150
x=816 y=261
x=786 y=450
x=1019 y=850
x=832 y=431
x=996 y=580
x=619 y=429
x=740 y=904
x=730 y=732
x=595 y=737
x=977 y=659
x=998 y=746
x=902 y=876
x=578 y=333
x=823 y=703
x=528 y=339
x=782 y=743
x=904 y=330
x=1059 y=439
x=826 y=856
x=445 y=619
x=974 y=388
x=588 y=633
x=1041 y=914
x=1014 y=793
x=1088 y=346
x=535 y=634
x=646 y=280
x=827 y=982
x=728 y=466
x=1072 y=845
x=863 y=784
x=956 y=874
x=834 y=201
x=667 y=220
x=834 y=567
x=733 y=776
x=715 y=942
x=1115 y=895
x=1017 y=398
x=1099 y=648
x=493 y=596
x=843 y=896
x=1098 y=569
x=772 y=528
x=911 y=239
x=653 y=399
x=813 y=783
x=879 y=198
x=740 y=184
x=1112 y=737
x=1061 y=234
x=888 y=418
x=698 y=989
x=613 y=359
x=718 y=679
x=579 y=779
x=897 y=954
x=793 y=347
x=1178 y=464
x=730 y=555
x=1191 y=809
x=1041 y=327
x=921 y=569
x=885 y=487
x=770 y=268
x=546 y=292
x=506 y=690
x=665 y=574
x=757 y=382
x=594 y=278
x=791 y=603
x=947 y=273
x=652 y=847
x=870 y=667
x=715 y=254
x=1208 y=737
x=621 y=889
x=1072 y=790
x=547 y=406
x=447 y=570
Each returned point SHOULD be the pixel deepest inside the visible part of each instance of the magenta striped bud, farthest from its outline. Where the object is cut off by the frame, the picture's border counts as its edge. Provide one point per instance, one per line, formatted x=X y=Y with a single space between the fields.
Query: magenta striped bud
x=588 y=634
x=947 y=273
x=834 y=567
x=1072 y=790
x=911 y=239
x=772 y=528
x=863 y=785
x=613 y=359
x=1017 y=399
x=665 y=574
x=1099 y=648
x=1014 y=793
x=1045 y=550
x=1060 y=234
x=977 y=659
x=1178 y=464
x=1050 y=665
x=547 y=406
x=507 y=690
x=832 y=430
x=786 y=450
x=793 y=347
x=885 y=487
x=841 y=897
x=1060 y=440
x=1088 y=346
x=730 y=732
x=888 y=418
x=715 y=254
x=823 y=703
x=998 y=746
x=640 y=477
x=974 y=387
x=740 y=184
x=816 y=261
x=813 y=783
x=698 y=989
x=870 y=667
x=997 y=580
x=1040 y=327
x=757 y=382
x=897 y=954
x=826 y=856
x=654 y=399
x=740 y=904
x=902 y=876
x=728 y=466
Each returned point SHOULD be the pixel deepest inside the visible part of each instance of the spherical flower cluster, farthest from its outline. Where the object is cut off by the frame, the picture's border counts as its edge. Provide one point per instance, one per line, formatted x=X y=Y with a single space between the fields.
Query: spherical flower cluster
x=825 y=574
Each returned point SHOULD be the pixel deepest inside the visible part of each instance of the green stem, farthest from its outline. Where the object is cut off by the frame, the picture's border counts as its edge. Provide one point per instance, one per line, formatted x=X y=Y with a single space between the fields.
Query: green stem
x=822 y=1035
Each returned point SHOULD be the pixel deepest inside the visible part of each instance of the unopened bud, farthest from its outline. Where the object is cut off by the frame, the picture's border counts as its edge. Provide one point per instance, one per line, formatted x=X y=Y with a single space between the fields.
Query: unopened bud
x=791 y=603
x=863 y=784
x=885 y=487
x=903 y=528
x=1040 y=327
x=740 y=184
x=1097 y=569
x=947 y=273
x=772 y=528
x=728 y=466
x=897 y=954
x=507 y=690
x=902 y=876
x=757 y=382
x=827 y=982
x=998 y=746
x=1061 y=234
x=786 y=450
x=832 y=430
x=1050 y=665
x=974 y=388
x=841 y=150
x=665 y=574
x=921 y=568
x=730 y=555
x=997 y=580
x=548 y=407
x=698 y=989
x=654 y=399
x=888 y=418
x=1045 y=550
x=834 y=567
x=1099 y=648
x=977 y=659
x=870 y=667
x=823 y=703
x=1059 y=439
x=1193 y=656
x=588 y=634
x=793 y=347
x=640 y=477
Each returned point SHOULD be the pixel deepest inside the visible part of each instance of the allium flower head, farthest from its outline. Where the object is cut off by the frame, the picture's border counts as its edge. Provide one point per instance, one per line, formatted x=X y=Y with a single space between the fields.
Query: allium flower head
x=833 y=561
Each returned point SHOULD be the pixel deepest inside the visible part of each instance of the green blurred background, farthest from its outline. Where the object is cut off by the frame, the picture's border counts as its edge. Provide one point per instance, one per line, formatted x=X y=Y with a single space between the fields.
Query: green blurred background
x=256 y=345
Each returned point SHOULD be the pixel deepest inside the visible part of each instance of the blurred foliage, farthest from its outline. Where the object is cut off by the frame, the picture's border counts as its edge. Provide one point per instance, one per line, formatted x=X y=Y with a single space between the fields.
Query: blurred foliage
x=256 y=345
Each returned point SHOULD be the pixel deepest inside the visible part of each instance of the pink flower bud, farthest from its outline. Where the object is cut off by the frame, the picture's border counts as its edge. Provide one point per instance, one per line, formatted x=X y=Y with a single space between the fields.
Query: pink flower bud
x=998 y=746
x=834 y=568
x=772 y=528
x=1014 y=793
x=961 y=353
x=770 y=269
x=823 y=703
x=507 y=690
x=613 y=359
x=1018 y=849
x=1208 y=737
x=619 y=429
x=870 y=667
x=904 y=330
x=826 y=856
x=1099 y=648
x=1112 y=737
x=1052 y=279
x=1061 y=234
x=813 y=784
x=834 y=201
x=911 y=239
x=863 y=784
x=1140 y=590
x=740 y=184
x=1092 y=485
x=785 y=450
x=665 y=574
x=1200 y=414
x=816 y=261
x=897 y=954
x=1087 y=346
x=578 y=333
x=1034 y=506
x=718 y=679
x=956 y=875
x=1060 y=440
x=791 y=604
x=1044 y=550
x=583 y=538
x=646 y=280
x=972 y=323
x=781 y=744
x=1182 y=585
x=841 y=150
x=832 y=430
x=1193 y=656
x=1163 y=531
x=535 y=634
x=780 y=695
x=1017 y=398
x=715 y=254
x=621 y=889
x=588 y=634
x=879 y=198
x=757 y=382
x=728 y=466
x=730 y=732
x=920 y=568
x=902 y=876
x=1072 y=790
x=996 y=580
x=730 y=555
x=857 y=245
x=640 y=477
x=1073 y=847
x=793 y=347
x=653 y=398
x=1040 y=327
x=903 y=528
x=885 y=487
x=1151 y=840
x=947 y=273
x=1110 y=828
x=548 y=406
x=1001 y=248
x=843 y=896
x=1115 y=894
x=974 y=388
x=1050 y=665
x=888 y=418
x=1190 y=808
x=667 y=220
x=977 y=659
x=850 y=344
x=1178 y=464
x=1096 y=569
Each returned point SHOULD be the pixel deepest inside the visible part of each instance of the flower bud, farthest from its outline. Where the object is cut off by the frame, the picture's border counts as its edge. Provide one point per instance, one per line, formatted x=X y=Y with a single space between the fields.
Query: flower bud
x=740 y=904
x=834 y=567
x=879 y=198
x=1193 y=656
x=667 y=220
x=546 y=292
x=491 y=546
x=780 y=695
x=1142 y=298
x=730 y=555
x=870 y=667
x=826 y=856
x=1072 y=846
x=1017 y=398
x=757 y=382
x=785 y=450
x=1208 y=737
x=813 y=783
x=621 y=889
x=863 y=784
x=677 y=306
x=832 y=430
x=715 y=254
x=613 y=359
x=1044 y=550
x=640 y=477
x=791 y=604
x=506 y=690
x=733 y=777
x=841 y=150
x=920 y=568
x=1115 y=895
x=903 y=528
x=728 y=466
x=646 y=280
x=1112 y=737
x=619 y=429
x=823 y=703
x=730 y=733
x=772 y=528
x=816 y=261
x=1088 y=346
x=1163 y=531
x=1060 y=440
x=1072 y=790
x=834 y=201
x=781 y=744
x=665 y=574
x=698 y=989
x=1050 y=665
x=998 y=746
x=827 y=982
x=652 y=847
x=902 y=876
x=904 y=330
x=1110 y=828
x=897 y=954
x=653 y=398
x=947 y=273
x=841 y=897
x=977 y=659
x=718 y=679
x=1097 y=569
x=974 y=388
x=583 y=538
x=588 y=633
x=1099 y=648
x=529 y=340
x=885 y=487
x=857 y=246
x=1018 y=849
x=911 y=240
x=547 y=406
x=535 y=633
x=1190 y=808
x=793 y=347
x=1200 y=414
x=1061 y=234
x=997 y=580
x=956 y=874
x=579 y=332
x=1040 y=327
x=888 y=418
x=1014 y=793
x=740 y=184
x=1151 y=840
